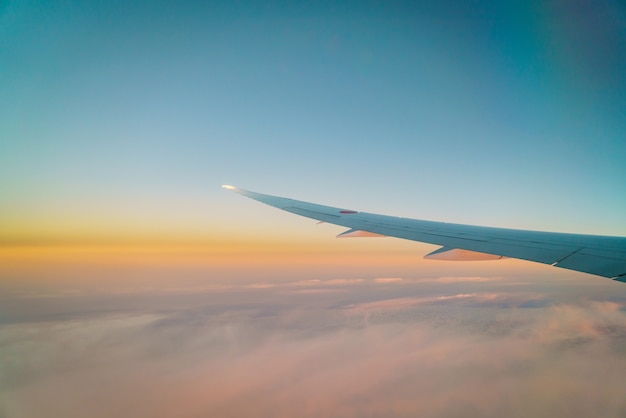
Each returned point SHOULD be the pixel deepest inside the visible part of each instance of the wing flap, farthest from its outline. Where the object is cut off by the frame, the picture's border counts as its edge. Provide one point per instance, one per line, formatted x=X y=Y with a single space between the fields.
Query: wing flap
x=456 y=254
x=357 y=233
x=594 y=264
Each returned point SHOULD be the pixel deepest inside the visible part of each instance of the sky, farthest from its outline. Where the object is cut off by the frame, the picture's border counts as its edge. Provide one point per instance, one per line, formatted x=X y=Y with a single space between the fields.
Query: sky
x=122 y=258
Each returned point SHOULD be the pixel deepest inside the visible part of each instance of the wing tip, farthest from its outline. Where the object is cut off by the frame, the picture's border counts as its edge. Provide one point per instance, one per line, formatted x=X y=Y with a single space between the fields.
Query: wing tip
x=228 y=187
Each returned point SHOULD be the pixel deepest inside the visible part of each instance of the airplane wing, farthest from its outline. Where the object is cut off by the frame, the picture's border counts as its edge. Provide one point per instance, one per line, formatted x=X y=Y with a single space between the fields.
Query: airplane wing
x=599 y=255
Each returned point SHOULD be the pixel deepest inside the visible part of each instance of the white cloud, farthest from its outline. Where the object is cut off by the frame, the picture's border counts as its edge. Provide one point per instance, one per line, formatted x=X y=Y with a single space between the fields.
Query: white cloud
x=260 y=352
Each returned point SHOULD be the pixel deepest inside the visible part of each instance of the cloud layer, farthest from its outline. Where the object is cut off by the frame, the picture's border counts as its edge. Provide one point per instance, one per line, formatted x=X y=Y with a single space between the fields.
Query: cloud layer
x=341 y=348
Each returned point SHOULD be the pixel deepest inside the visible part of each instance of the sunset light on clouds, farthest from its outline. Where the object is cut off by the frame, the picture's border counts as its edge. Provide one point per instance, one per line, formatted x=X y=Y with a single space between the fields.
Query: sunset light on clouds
x=132 y=284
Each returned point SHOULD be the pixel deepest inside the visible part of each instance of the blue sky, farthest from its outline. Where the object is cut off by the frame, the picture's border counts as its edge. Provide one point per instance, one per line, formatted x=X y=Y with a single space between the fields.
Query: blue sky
x=484 y=113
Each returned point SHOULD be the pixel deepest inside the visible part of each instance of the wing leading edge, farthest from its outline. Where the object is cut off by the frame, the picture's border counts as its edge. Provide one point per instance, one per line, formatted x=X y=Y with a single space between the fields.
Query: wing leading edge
x=599 y=255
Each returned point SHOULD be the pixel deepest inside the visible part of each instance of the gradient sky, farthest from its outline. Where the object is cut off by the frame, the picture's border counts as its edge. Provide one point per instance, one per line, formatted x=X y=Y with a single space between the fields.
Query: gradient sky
x=124 y=118
x=120 y=120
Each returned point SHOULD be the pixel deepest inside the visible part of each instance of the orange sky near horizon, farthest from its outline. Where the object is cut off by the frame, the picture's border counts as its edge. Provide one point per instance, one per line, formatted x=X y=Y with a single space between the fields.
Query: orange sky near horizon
x=153 y=266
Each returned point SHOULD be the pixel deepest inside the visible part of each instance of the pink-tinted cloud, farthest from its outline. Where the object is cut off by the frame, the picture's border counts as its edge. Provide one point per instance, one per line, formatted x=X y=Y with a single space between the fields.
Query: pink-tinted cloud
x=260 y=352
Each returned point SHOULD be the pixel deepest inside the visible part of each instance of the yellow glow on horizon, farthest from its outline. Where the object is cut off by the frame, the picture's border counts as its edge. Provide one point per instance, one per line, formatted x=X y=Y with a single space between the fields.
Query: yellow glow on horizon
x=132 y=229
x=232 y=259
x=89 y=249
x=150 y=265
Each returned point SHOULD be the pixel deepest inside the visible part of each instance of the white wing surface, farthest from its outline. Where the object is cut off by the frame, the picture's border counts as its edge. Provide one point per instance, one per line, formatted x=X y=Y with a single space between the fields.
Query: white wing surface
x=599 y=255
